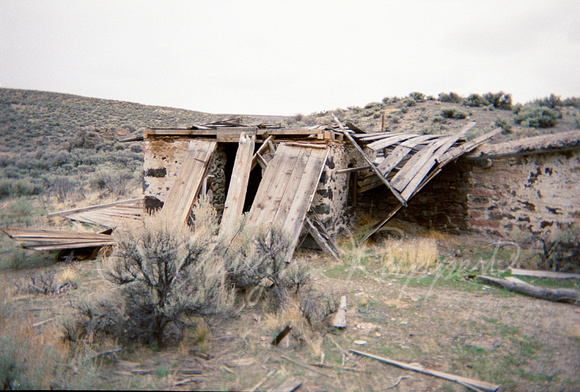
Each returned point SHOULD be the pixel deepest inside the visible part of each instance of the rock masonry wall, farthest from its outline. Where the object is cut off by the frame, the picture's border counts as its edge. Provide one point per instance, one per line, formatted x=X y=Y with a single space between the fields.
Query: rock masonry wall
x=529 y=193
x=162 y=159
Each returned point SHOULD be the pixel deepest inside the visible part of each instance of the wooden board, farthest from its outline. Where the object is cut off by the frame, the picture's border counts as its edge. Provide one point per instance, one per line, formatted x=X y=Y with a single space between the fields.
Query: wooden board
x=413 y=165
x=287 y=189
x=400 y=152
x=187 y=185
x=427 y=164
x=38 y=239
x=389 y=141
x=234 y=205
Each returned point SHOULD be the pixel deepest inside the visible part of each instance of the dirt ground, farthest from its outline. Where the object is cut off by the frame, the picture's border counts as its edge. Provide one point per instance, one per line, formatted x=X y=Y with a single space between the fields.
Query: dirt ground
x=455 y=326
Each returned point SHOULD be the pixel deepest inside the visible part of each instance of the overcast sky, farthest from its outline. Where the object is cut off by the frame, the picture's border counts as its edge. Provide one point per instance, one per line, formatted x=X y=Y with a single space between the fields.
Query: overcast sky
x=288 y=57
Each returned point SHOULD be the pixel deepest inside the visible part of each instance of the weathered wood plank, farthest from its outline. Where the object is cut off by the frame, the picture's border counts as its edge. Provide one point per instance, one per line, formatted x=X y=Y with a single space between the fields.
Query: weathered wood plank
x=304 y=195
x=285 y=202
x=413 y=165
x=322 y=239
x=373 y=166
x=234 y=204
x=400 y=152
x=271 y=193
x=467 y=147
x=384 y=143
x=426 y=167
x=100 y=206
x=189 y=178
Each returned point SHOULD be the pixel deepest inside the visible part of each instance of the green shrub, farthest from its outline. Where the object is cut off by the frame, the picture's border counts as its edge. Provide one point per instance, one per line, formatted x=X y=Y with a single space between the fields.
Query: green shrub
x=418 y=97
x=165 y=274
x=534 y=116
x=451 y=97
x=475 y=100
x=452 y=113
x=572 y=102
x=499 y=100
x=552 y=102
x=503 y=124
x=409 y=102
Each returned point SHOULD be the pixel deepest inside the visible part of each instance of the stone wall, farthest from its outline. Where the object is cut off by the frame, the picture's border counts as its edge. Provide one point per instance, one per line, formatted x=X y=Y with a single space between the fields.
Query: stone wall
x=528 y=193
x=442 y=204
x=162 y=158
x=332 y=194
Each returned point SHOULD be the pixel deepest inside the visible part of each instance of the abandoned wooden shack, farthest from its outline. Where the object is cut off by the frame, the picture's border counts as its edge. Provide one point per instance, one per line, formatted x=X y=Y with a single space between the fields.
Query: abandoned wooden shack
x=305 y=180
x=302 y=180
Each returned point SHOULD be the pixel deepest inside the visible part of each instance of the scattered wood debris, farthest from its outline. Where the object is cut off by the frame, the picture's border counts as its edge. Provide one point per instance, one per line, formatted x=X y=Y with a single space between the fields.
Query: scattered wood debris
x=281 y=335
x=340 y=317
x=39 y=239
x=544 y=274
x=467 y=382
x=110 y=215
x=289 y=385
x=519 y=286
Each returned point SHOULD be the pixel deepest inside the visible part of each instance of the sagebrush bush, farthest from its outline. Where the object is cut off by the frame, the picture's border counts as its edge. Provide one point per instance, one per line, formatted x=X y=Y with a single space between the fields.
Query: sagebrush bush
x=257 y=257
x=499 y=100
x=534 y=116
x=451 y=97
x=475 y=100
x=452 y=113
x=503 y=124
x=165 y=274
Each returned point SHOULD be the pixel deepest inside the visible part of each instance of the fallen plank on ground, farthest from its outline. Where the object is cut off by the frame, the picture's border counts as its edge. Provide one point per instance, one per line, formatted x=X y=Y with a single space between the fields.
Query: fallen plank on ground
x=519 y=286
x=468 y=382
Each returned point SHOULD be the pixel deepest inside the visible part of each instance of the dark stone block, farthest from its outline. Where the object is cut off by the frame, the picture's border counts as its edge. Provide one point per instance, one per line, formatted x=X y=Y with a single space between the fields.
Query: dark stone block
x=159 y=172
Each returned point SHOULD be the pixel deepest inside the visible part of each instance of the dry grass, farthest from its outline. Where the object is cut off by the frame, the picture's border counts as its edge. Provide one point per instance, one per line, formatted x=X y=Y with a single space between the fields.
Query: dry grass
x=404 y=256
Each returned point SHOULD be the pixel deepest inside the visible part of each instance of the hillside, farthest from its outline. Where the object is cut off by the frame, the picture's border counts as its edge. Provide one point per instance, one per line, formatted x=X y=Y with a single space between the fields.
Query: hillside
x=65 y=147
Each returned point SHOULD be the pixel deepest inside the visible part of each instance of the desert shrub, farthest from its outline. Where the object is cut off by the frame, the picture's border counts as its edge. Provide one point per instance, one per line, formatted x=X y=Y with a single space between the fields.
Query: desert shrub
x=62 y=188
x=112 y=182
x=418 y=97
x=437 y=129
x=552 y=102
x=572 y=102
x=503 y=124
x=452 y=113
x=409 y=102
x=560 y=250
x=499 y=100
x=166 y=274
x=316 y=307
x=534 y=116
x=10 y=187
x=256 y=258
x=475 y=100
x=451 y=97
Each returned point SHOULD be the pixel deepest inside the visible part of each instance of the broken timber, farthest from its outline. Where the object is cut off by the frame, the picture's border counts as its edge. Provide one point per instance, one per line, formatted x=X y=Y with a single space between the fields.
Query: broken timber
x=287 y=189
x=111 y=215
x=234 y=205
x=37 y=239
x=189 y=179
x=519 y=286
x=468 y=382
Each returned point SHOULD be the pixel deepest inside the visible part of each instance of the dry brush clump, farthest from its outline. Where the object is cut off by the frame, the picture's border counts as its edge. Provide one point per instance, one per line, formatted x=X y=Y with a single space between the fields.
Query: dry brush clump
x=164 y=274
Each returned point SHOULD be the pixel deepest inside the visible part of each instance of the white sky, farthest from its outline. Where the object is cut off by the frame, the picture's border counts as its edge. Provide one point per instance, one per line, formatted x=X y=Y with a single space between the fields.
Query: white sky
x=288 y=57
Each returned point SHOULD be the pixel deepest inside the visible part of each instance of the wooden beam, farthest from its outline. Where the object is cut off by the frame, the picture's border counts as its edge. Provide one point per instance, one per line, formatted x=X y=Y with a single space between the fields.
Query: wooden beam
x=187 y=184
x=90 y=208
x=519 y=286
x=471 y=383
x=234 y=204
x=372 y=165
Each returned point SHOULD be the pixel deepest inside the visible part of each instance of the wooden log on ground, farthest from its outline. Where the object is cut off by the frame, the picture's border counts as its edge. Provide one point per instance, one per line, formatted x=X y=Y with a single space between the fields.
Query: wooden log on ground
x=544 y=274
x=519 y=286
x=340 y=318
x=468 y=382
